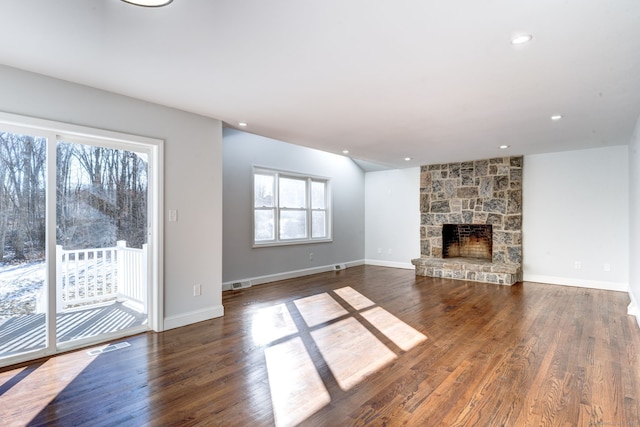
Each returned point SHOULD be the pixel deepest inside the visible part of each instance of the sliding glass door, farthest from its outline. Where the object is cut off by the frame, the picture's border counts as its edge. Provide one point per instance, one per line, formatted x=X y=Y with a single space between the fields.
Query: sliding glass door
x=77 y=215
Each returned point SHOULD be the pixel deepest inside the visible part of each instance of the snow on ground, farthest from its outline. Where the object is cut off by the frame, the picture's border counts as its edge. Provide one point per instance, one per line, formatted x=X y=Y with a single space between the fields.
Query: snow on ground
x=20 y=287
x=84 y=281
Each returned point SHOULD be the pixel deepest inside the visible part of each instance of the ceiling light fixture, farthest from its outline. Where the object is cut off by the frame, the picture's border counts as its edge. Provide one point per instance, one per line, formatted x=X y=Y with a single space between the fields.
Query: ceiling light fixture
x=149 y=3
x=521 y=39
x=242 y=124
x=345 y=151
x=503 y=147
x=406 y=159
x=556 y=117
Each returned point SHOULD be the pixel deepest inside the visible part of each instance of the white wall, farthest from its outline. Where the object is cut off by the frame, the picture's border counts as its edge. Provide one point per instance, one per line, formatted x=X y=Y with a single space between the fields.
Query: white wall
x=634 y=221
x=242 y=262
x=192 y=172
x=575 y=208
x=392 y=217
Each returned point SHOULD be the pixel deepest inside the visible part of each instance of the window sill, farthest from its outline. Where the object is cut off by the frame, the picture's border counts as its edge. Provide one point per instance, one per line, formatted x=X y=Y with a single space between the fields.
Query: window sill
x=291 y=243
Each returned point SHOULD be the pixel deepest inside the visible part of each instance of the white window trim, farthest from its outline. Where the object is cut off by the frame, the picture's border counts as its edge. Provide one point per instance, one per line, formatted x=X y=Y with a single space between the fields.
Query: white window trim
x=296 y=175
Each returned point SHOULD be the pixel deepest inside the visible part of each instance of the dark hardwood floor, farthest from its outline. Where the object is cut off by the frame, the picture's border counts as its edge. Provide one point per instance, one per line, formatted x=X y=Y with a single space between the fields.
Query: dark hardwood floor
x=363 y=346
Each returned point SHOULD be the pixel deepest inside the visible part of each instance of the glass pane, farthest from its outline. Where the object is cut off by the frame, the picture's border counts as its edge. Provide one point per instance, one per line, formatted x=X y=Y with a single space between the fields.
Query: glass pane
x=101 y=238
x=263 y=190
x=101 y=196
x=318 y=224
x=264 y=225
x=293 y=193
x=318 y=199
x=23 y=295
x=293 y=225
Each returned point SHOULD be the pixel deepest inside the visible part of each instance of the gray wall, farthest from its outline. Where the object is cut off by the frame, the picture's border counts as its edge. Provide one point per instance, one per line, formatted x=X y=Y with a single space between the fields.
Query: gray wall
x=242 y=151
x=192 y=177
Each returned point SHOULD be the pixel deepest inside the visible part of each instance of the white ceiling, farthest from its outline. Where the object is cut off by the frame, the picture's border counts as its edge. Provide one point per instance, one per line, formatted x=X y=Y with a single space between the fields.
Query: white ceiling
x=438 y=81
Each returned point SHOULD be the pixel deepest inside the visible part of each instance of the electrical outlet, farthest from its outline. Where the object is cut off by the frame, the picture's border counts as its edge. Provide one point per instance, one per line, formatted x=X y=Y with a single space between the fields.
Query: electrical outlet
x=577 y=265
x=310 y=256
x=173 y=215
x=197 y=290
x=607 y=267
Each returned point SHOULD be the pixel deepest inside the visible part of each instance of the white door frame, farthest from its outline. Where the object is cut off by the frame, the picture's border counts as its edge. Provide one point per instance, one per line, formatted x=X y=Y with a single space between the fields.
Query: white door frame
x=154 y=148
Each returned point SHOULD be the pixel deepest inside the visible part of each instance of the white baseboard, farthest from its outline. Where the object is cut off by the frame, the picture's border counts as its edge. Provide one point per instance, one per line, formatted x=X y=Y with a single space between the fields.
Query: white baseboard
x=259 y=280
x=392 y=264
x=185 y=319
x=580 y=283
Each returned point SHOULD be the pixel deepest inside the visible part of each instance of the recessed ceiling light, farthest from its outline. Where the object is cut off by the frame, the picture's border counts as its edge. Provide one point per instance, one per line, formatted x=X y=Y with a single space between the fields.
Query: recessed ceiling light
x=522 y=38
x=345 y=151
x=406 y=159
x=149 y=3
x=503 y=147
x=556 y=117
x=242 y=124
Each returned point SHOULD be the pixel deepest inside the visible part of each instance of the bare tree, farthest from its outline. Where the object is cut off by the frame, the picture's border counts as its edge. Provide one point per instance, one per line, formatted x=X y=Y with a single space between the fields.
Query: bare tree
x=110 y=194
x=23 y=159
x=101 y=196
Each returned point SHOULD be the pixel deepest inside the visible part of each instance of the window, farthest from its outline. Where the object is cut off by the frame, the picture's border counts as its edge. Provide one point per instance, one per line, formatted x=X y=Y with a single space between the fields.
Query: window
x=289 y=208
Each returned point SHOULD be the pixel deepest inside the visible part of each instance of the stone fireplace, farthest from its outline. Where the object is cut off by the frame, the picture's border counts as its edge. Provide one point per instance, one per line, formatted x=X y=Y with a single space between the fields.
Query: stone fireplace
x=471 y=221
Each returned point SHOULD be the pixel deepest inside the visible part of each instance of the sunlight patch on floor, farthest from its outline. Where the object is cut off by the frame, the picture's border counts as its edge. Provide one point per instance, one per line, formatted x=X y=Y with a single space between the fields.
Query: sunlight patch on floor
x=297 y=390
x=351 y=351
x=40 y=387
x=347 y=329
x=402 y=335
x=270 y=324
x=318 y=309
x=354 y=298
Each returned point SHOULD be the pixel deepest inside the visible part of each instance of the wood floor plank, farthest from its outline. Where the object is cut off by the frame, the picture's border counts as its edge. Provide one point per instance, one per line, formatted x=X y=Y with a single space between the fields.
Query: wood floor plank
x=381 y=346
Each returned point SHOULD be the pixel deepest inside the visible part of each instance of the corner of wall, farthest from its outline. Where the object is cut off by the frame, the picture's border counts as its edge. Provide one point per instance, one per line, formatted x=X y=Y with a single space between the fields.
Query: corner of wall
x=633 y=309
x=634 y=222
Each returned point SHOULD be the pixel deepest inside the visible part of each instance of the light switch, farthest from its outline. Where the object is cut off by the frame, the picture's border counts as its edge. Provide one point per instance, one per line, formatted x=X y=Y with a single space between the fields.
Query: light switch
x=173 y=215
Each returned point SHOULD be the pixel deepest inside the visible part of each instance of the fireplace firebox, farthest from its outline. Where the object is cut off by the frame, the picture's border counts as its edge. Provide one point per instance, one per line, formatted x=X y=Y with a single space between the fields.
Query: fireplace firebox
x=467 y=241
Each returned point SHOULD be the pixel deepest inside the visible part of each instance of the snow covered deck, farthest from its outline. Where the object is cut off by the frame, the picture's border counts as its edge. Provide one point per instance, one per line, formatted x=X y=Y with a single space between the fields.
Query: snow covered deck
x=25 y=333
x=98 y=291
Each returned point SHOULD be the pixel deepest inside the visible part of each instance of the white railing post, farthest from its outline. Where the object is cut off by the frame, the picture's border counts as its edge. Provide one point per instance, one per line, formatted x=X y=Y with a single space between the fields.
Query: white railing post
x=120 y=284
x=143 y=286
x=89 y=276
x=59 y=281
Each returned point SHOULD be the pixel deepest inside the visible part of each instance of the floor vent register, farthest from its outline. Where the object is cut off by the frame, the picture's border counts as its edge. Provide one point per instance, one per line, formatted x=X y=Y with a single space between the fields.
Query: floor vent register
x=107 y=349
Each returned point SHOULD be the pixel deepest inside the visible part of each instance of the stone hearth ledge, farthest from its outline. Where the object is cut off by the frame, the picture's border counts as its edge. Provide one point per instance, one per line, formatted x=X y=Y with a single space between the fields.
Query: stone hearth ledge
x=476 y=270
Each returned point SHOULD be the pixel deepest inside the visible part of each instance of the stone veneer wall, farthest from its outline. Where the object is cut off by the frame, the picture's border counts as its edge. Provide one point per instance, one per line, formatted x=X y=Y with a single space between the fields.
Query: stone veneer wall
x=478 y=192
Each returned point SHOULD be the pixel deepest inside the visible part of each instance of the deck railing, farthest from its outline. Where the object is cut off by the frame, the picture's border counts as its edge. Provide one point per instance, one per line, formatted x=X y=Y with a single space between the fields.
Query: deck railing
x=92 y=276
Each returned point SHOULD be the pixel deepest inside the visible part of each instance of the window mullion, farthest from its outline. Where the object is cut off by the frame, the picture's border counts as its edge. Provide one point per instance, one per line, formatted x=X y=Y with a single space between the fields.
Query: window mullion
x=276 y=206
x=308 y=209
